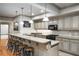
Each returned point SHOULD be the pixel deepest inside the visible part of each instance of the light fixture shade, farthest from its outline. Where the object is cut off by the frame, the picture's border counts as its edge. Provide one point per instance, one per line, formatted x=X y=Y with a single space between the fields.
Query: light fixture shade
x=16 y=23
x=21 y=23
x=31 y=21
x=45 y=19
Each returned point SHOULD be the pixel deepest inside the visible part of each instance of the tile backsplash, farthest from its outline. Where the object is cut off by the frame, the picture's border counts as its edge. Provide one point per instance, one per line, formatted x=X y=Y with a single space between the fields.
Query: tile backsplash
x=71 y=33
x=47 y=32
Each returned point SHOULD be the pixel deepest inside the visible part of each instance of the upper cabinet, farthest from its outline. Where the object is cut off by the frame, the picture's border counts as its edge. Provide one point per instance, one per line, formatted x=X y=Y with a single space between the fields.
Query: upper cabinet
x=75 y=22
x=41 y=25
x=46 y=24
x=60 y=23
x=64 y=23
x=67 y=23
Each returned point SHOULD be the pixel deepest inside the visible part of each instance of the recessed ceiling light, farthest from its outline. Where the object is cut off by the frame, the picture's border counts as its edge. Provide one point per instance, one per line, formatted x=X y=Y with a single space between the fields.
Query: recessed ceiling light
x=32 y=13
x=21 y=23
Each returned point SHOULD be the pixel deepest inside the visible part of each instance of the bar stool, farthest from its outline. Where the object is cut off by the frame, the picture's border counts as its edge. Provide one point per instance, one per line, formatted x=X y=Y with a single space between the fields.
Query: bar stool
x=9 y=45
x=15 y=47
x=28 y=51
x=19 y=49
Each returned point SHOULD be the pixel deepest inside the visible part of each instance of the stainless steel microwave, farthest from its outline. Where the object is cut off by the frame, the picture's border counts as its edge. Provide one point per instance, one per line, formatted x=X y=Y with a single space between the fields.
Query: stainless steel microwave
x=53 y=27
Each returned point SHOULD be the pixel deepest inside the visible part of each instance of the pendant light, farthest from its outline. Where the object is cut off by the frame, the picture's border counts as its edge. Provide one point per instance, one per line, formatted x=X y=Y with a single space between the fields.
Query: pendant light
x=31 y=21
x=16 y=23
x=22 y=16
x=45 y=17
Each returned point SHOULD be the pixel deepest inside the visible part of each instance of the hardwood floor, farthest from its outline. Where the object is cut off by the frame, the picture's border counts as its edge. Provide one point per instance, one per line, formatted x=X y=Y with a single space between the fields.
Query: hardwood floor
x=3 y=48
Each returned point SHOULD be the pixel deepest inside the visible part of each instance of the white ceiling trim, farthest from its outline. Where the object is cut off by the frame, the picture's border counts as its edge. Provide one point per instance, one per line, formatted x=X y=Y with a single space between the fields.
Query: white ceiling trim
x=50 y=8
x=70 y=9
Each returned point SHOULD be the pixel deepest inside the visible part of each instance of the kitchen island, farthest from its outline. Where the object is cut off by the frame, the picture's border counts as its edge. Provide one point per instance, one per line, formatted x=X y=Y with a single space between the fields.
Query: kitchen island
x=42 y=47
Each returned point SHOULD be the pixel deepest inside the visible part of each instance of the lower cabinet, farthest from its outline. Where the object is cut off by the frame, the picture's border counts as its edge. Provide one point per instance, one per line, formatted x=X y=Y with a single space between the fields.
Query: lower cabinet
x=69 y=45
x=65 y=45
x=60 y=43
x=74 y=46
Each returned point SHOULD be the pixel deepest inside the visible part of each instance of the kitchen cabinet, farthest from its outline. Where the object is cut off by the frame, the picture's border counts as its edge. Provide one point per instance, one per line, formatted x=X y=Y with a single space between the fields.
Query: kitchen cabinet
x=46 y=25
x=60 y=23
x=78 y=48
x=67 y=23
x=41 y=25
x=60 y=43
x=74 y=46
x=35 y=25
x=69 y=45
x=65 y=44
x=75 y=20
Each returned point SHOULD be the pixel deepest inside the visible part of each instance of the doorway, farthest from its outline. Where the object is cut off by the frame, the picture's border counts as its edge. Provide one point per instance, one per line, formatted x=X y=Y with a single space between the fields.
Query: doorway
x=4 y=31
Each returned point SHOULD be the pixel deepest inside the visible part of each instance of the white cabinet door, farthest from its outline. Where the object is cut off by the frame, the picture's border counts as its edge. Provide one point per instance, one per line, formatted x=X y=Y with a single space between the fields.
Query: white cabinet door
x=60 y=42
x=75 y=22
x=46 y=25
x=73 y=46
x=43 y=25
x=35 y=25
x=39 y=25
x=65 y=45
x=78 y=47
x=67 y=23
x=60 y=23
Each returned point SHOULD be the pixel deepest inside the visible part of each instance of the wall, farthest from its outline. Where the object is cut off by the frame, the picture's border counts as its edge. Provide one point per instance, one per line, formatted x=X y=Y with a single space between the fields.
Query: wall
x=9 y=21
x=21 y=28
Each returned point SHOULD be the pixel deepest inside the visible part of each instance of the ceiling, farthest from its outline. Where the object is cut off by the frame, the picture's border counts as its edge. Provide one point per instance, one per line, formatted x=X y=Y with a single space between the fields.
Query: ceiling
x=9 y=9
x=65 y=5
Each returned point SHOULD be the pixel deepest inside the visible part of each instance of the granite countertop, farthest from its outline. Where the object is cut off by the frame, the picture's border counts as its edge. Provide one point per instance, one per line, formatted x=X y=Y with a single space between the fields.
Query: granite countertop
x=54 y=43
x=36 y=39
x=68 y=37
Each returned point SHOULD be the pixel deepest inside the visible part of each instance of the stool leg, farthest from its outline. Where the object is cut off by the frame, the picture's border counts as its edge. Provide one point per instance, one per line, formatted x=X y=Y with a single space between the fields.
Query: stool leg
x=13 y=50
